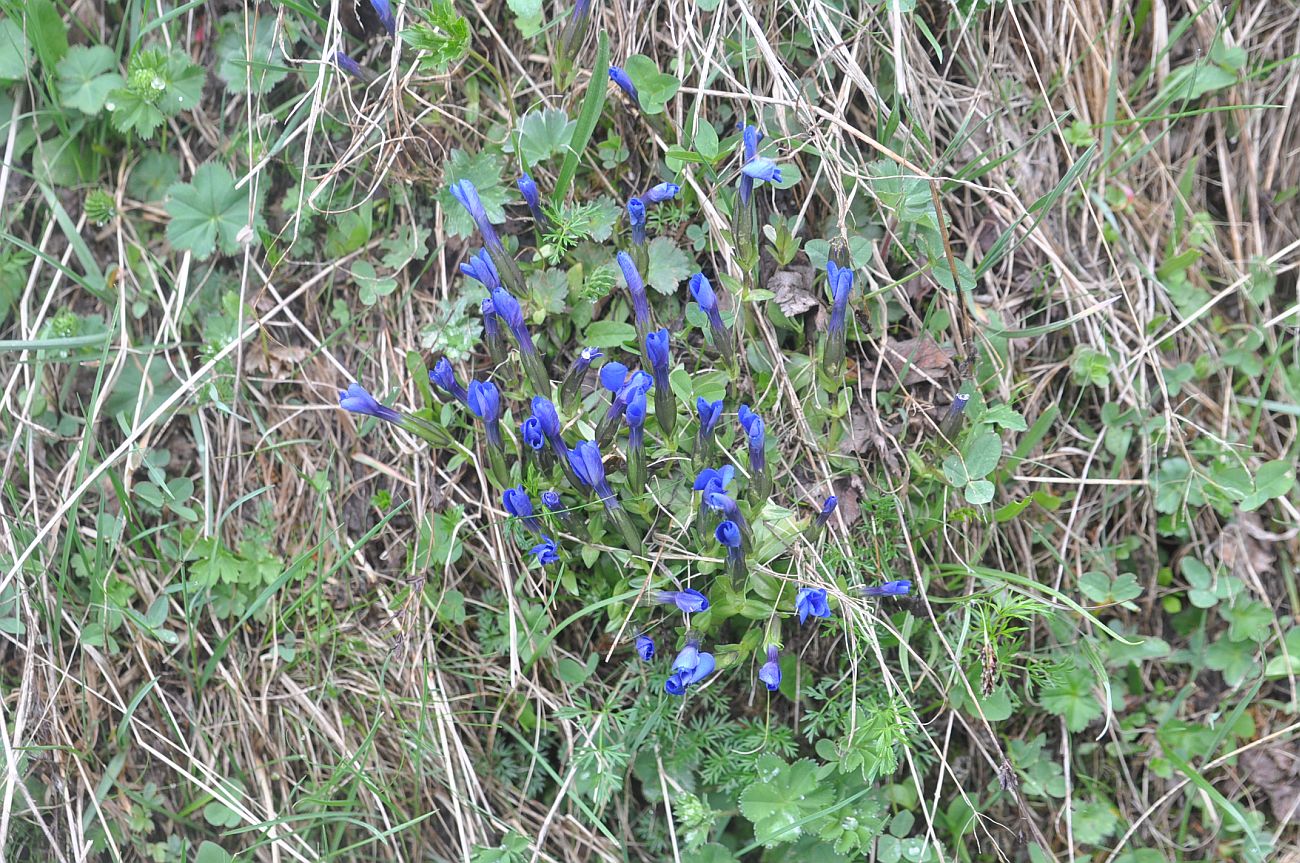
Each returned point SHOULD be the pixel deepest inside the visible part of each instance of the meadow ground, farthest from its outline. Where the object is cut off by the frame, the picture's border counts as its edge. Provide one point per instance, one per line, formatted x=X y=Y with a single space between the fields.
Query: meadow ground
x=238 y=622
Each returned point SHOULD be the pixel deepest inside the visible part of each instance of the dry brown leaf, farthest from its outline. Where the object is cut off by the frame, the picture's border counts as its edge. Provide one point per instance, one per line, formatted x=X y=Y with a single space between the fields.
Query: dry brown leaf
x=792 y=294
x=918 y=360
x=1276 y=772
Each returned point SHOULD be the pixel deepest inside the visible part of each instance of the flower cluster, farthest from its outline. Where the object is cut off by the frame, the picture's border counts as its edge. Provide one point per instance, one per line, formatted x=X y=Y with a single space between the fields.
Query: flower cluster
x=727 y=504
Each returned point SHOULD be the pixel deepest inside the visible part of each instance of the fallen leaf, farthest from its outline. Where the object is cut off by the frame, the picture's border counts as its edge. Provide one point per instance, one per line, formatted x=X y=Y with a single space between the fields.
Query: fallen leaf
x=1275 y=771
x=918 y=360
x=792 y=294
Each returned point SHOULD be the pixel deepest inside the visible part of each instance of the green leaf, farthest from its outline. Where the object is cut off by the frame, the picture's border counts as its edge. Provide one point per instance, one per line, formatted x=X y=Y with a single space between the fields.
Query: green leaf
x=86 y=76
x=669 y=266
x=371 y=286
x=158 y=86
x=210 y=852
x=484 y=171
x=543 y=134
x=48 y=33
x=207 y=211
x=1195 y=80
x=1235 y=660
x=1250 y=620
x=979 y=492
x=785 y=804
x=1094 y=821
x=1005 y=416
x=588 y=117
x=15 y=51
x=549 y=290
x=1274 y=479
x=706 y=140
x=610 y=334
x=982 y=455
x=246 y=68
x=654 y=88
x=528 y=16
x=442 y=36
x=1070 y=696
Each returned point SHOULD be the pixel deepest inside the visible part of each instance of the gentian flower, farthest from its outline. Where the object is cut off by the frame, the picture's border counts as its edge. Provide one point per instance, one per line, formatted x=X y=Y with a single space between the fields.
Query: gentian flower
x=714 y=479
x=811 y=601
x=484 y=402
x=571 y=386
x=385 y=13
x=680 y=681
x=528 y=188
x=531 y=432
x=770 y=673
x=688 y=601
x=356 y=399
x=619 y=77
x=840 y=280
x=467 y=194
x=636 y=218
x=688 y=658
x=549 y=421
x=590 y=471
x=492 y=331
x=480 y=268
x=645 y=647
x=662 y=192
x=571 y=37
x=622 y=391
x=545 y=552
x=762 y=170
x=551 y=500
x=756 y=432
x=828 y=508
x=518 y=504
x=902 y=587
x=751 y=137
x=729 y=534
x=444 y=378
x=554 y=505
x=708 y=413
x=952 y=419
x=508 y=310
x=704 y=295
x=635 y=415
x=352 y=67
x=636 y=287
x=656 y=351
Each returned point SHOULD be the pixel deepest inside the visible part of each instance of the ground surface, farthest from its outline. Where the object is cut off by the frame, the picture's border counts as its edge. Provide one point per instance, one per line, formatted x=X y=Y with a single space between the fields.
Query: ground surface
x=239 y=622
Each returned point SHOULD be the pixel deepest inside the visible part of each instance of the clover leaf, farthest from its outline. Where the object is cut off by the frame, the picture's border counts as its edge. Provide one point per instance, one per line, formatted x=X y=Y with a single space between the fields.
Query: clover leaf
x=654 y=88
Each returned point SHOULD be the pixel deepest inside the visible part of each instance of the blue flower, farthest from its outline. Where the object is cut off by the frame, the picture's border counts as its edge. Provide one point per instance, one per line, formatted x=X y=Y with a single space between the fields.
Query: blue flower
x=589 y=355
x=680 y=681
x=549 y=421
x=841 y=285
x=688 y=601
x=531 y=431
x=811 y=601
x=770 y=673
x=747 y=417
x=636 y=218
x=551 y=500
x=587 y=464
x=902 y=587
x=385 y=13
x=635 y=416
x=728 y=534
x=619 y=77
x=491 y=328
x=828 y=507
x=612 y=376
x=703 y=293
x=762 y=170
x=662 y=192
x=465 y=192
x=347 y=64
x=688 y=657
x=656 y=350
x=358 y=400
x=756 y=431
x=635 y=287
x=528 y=188
x=545 y=552
x=518 y=504
x=507 y=309
x=444 y=377
x=485 y=401
x=709 y=413
x=481 y=268
x=714 y=479
x=645 y=647
x=751 y=137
